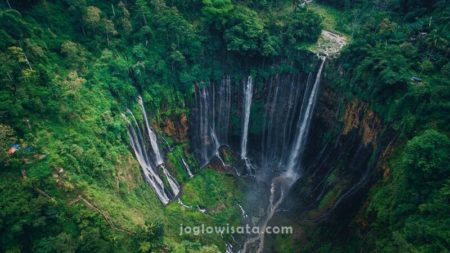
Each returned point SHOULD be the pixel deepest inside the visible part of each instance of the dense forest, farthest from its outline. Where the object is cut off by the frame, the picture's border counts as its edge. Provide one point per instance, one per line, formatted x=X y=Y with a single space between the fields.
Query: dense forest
x=71 y=69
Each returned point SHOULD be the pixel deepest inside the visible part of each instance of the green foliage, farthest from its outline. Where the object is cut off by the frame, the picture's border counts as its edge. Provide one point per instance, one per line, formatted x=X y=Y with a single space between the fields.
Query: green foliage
x=427 y=157
x=213 y=191
x=410 y=211
x=260 y=35
x=244 y=32
x=215 y=11
x=332 y=18
x=69 y=68
x=91 y=17
x=49 y=102
x=385 y=55
x=302 y=26
x=175 y=157
x=26 y=214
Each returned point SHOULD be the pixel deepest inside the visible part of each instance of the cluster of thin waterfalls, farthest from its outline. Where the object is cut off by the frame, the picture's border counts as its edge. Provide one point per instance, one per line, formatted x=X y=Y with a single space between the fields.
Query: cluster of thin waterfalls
x=145 y=146
x=289 y=102
x=212 y=118
x=289 y=106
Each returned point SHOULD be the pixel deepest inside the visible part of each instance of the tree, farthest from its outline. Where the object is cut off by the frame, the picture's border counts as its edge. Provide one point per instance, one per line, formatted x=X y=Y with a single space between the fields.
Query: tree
x=411 y=210
x=20 y=56
x=15 y=68
x=216 y=11
x=109 y=29
x=301 y=26
x=245 y=31
x=176 y=58
x=143 y=11
x=426 y=66
x=74 y=52
x=92 y=17
x=271 y=45
x=426 y=158
x=124 y=21
x=73 y=83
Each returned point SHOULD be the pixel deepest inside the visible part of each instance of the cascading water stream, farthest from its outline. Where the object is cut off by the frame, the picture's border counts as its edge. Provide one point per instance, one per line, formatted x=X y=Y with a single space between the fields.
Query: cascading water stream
x=151 y=134
x=184 y=205
x=271 y=209
x=188 y=169
x=213 y=118
x=282 y=109
x=281 y=184
x=216 y=148
x=172 y=181
x=243 y=212
x=224 y=108
x=204 y=124
x=248 y=92
x=305 y=121
x=140 y=151
x=148 y=167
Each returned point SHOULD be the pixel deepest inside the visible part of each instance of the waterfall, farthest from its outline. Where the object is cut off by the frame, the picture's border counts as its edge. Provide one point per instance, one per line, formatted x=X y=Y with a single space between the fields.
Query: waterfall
x=248 y=90
x=204 y=124
x=281 y=184
x=172 y=181
x=186 y=166
x=282 y=108
x=305 y=121
x=213 y=104
x=150 y=174
x=151 y=134
x=271 y=209
x=149 y=167
x=223 y=108
x=158 y=158
x=167 y=143
x=215 y=141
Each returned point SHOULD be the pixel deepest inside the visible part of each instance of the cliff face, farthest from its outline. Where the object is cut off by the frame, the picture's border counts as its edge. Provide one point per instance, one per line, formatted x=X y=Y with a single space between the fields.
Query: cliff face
x=344 y=157
x=176 y=127
x=358 y=116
